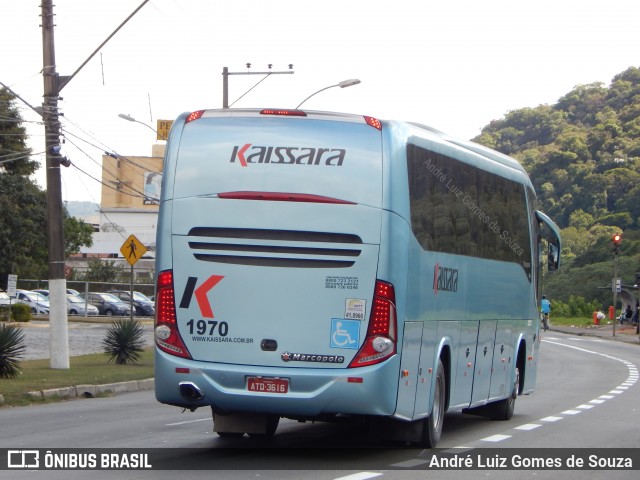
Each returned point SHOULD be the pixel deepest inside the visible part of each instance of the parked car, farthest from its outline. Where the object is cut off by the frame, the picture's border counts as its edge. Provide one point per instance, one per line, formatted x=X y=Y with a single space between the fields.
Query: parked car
x=142 y=304
x=39 y=303
x=76 y=305
x=4 y=299
x=46 y=292
x=108 y=304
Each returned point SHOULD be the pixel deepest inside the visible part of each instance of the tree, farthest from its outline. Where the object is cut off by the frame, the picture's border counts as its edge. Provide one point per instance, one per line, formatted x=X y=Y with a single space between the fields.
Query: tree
x=77 y=234
x=23 y=205
x=14 y=154
x=23 y=240
x=102 y=271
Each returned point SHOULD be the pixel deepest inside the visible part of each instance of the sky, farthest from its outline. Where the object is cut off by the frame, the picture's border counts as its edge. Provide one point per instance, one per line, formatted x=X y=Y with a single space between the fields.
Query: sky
x=453 y=64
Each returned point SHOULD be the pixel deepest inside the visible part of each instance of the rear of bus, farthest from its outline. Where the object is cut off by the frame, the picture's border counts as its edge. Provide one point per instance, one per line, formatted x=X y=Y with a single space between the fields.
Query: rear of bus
x=270 y=299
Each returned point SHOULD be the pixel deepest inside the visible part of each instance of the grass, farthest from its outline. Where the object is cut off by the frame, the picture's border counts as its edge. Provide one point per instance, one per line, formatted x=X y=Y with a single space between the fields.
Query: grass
x=574 y=321
x=93 y=369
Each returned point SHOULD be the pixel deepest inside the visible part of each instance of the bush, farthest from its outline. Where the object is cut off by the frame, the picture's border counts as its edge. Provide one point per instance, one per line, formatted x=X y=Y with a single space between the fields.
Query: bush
x=20 y=312
x=11 y=350
x=124 y=341
x=575 y=307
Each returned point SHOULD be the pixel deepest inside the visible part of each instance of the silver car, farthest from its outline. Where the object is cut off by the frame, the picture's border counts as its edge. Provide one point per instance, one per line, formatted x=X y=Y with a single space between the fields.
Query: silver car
x=77 y=305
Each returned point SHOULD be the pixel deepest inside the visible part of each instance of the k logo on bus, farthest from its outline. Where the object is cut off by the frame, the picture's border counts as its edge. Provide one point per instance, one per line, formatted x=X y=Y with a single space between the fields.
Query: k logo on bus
x=200 y=293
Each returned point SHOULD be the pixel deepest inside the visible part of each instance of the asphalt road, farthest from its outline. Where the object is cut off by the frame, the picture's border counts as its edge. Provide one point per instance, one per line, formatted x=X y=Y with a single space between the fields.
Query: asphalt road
x=587 y=396
x=84 y=337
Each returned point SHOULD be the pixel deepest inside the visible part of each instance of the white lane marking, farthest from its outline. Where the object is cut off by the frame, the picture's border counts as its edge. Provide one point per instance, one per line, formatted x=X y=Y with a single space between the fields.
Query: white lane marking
x=551 y=419
x=571 y=412
x=360 y=476
x=496 y=438
x=631 y=380
x=188 y=421
x=528 y=426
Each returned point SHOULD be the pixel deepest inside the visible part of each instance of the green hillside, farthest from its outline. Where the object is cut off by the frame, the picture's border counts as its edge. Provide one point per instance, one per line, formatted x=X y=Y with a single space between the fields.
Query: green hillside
x=583 y=156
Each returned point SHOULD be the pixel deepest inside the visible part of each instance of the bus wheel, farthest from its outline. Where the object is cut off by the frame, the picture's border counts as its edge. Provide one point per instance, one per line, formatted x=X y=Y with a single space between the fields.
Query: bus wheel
x=503 y=410
x=432 y=426
x=272 y=425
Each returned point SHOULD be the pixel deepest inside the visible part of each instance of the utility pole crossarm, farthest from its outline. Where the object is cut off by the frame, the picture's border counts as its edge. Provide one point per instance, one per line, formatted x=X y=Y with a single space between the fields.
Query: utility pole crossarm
x=225 y=81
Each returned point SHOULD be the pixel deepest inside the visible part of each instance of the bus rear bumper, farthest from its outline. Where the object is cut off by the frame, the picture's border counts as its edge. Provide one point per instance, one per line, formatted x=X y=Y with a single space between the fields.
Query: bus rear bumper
x=310 y=392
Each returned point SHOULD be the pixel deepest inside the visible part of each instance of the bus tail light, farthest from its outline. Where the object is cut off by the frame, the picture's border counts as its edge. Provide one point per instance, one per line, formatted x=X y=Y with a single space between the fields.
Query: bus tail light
x=373 y=122
x=194 y=116
x=381 y=339
x=284 y=112
x=167 y=336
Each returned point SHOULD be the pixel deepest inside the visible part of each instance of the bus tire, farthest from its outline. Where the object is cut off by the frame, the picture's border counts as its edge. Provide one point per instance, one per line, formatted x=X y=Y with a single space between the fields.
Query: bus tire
x=503 y=409
x=432 y=426
x=272 y=425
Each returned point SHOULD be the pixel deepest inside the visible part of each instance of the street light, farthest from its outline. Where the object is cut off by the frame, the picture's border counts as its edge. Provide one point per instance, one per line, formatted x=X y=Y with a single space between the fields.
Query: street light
x=131 y=119
x=343 y=84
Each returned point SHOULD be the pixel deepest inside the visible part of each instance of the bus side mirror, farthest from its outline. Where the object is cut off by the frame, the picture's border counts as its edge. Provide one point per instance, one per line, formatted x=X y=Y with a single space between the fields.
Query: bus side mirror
x=553 y=256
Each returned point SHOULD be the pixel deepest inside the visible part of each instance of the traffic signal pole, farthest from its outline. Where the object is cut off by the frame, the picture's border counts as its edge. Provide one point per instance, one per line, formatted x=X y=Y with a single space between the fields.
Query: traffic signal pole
x=615 y=291
x=616 y=251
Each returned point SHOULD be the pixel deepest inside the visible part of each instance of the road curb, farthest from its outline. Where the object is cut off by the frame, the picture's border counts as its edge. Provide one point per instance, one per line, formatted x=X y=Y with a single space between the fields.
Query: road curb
x=603 y=332
x=90 y=391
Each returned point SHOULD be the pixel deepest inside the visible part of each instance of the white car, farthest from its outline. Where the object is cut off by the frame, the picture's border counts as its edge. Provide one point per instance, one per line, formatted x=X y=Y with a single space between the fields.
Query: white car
x=79 y=306
x=39 y=303
x=4 y=299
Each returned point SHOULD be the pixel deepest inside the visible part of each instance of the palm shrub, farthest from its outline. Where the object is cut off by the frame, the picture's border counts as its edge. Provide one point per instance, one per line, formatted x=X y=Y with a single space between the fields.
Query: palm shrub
x=124 y=341
x=11 y=350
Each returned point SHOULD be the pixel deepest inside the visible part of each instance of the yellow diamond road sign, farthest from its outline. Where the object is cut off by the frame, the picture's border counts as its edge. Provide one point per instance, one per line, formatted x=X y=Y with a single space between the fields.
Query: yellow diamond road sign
x=132 y=250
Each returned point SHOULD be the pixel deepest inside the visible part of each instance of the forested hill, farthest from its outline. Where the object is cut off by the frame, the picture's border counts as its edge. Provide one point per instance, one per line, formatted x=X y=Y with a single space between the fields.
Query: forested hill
x=582 y=153
x=583 y=157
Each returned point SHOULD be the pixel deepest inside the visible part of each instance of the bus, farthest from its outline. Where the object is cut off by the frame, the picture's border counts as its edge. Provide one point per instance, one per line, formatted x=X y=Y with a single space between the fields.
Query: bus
x=321 y=266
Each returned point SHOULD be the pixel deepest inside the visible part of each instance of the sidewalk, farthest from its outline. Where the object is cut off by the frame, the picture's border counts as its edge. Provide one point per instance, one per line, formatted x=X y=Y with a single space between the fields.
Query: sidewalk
x=624 y=333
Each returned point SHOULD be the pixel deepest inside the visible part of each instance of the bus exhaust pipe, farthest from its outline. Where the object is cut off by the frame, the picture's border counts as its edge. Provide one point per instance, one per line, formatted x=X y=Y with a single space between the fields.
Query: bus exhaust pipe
x=190 y=391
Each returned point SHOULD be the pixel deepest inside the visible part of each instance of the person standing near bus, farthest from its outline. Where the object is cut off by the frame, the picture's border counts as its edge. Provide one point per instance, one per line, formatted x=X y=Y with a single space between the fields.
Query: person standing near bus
x=545 y=308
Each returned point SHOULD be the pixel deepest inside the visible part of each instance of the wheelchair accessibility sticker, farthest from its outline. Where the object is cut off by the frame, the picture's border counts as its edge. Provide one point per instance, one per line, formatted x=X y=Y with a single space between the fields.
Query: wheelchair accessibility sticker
x=345 y=333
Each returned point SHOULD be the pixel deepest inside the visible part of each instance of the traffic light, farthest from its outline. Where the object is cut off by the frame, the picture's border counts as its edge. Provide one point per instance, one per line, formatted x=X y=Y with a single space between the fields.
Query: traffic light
x=617 y=238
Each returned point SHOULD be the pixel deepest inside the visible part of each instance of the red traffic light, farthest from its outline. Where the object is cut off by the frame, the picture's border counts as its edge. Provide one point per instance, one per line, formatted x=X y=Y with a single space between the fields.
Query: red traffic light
x=616 y=240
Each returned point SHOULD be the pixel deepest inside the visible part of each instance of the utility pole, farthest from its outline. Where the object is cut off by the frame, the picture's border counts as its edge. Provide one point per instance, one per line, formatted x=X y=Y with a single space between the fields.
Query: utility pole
x=225 y=80
x=53 y=84
x=58 y=328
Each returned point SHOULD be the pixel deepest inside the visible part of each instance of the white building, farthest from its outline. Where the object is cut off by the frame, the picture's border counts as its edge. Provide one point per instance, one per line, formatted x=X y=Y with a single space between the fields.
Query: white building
x=129 y=206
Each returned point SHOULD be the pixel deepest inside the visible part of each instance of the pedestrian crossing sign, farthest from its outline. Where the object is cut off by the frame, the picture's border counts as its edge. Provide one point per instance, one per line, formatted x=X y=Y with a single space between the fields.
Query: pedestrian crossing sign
x=132 y=250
